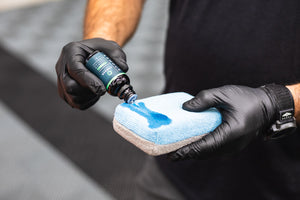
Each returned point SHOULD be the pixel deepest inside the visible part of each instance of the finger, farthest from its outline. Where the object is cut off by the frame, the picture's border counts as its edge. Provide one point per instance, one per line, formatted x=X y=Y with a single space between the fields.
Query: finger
x=111 y=49
x=77 y=71
x=203 y=101
x=73 y=88
x=119 y=58
x=89 y=103
x=208 y=146
x=74 y=94
x=75 y=68
x=78 y=96
x=60 y=65
x=60 y=89
x=81 y=102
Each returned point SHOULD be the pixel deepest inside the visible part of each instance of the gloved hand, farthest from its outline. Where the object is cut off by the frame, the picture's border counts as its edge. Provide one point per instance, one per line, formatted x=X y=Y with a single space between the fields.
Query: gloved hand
x=76 y=84
x=246 y=112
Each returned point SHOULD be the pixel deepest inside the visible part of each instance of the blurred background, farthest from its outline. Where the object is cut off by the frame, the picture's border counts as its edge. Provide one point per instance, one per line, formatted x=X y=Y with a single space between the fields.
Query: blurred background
x=47 y=149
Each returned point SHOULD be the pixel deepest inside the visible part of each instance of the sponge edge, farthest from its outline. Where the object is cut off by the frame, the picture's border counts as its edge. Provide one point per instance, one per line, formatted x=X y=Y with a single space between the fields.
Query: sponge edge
x=158 y=125
x=150 y=147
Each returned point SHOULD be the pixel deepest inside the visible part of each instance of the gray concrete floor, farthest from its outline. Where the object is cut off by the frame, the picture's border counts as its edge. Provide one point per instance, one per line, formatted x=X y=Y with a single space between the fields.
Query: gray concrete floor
x=37 y=34
x=31 y=169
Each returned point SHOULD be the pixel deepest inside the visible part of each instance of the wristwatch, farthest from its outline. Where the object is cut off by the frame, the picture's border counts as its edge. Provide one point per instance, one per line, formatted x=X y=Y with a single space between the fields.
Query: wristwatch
x=285 y=123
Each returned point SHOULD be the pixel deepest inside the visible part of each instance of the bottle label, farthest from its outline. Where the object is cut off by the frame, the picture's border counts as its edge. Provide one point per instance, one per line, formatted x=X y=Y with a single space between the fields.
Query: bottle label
x=104 y=68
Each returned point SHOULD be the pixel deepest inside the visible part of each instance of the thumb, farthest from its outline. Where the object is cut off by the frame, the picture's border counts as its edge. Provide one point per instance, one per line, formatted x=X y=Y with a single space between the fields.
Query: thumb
x=202 y=101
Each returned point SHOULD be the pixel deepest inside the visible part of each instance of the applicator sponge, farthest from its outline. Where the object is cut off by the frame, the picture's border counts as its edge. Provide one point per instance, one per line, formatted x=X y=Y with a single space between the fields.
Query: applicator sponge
x=158 y=125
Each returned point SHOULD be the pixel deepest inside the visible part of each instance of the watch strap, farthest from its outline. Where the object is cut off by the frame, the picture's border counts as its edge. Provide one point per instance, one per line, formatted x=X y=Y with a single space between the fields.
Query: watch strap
x=283 y=100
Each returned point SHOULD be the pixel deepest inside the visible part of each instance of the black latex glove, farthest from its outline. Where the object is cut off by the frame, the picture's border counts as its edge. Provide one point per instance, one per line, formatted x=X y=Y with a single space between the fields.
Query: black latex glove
x=76 y=84
x=246 y=112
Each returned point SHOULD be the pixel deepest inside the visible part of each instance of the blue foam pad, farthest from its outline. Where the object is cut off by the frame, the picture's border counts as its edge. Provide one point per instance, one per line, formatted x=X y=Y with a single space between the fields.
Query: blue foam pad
x=162 y=121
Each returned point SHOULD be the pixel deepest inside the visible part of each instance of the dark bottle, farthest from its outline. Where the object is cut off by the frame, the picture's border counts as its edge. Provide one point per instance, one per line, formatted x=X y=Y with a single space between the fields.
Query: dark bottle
x=115 y=80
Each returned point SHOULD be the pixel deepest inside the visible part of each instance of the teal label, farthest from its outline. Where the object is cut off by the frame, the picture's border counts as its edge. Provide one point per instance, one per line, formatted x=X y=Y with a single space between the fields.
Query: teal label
x=104 y=68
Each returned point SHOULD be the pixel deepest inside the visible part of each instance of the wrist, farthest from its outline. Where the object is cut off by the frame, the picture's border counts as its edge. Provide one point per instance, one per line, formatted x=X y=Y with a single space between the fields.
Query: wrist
x=107 y=35
x=283 y=122
x=281 y=97
x=294 y=89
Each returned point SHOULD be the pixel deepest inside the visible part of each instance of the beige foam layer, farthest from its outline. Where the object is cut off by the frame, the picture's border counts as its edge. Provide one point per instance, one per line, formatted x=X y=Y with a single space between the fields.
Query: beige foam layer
x=147 y=146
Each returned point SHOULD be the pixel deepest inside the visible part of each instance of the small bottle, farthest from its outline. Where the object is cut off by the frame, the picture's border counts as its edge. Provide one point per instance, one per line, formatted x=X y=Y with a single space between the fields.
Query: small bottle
x=115 y=80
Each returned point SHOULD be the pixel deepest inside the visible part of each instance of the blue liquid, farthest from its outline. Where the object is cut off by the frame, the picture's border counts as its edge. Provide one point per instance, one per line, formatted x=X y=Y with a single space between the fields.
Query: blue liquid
x=154 y=119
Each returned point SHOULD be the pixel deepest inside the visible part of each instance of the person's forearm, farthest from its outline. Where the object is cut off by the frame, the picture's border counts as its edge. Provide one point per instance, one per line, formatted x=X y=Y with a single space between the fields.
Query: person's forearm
x=295 y=90
x=112 y=19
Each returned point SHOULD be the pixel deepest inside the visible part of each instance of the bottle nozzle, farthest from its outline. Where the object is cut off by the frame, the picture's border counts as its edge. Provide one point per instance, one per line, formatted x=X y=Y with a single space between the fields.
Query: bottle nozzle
x=131 y=99
x=127 y=93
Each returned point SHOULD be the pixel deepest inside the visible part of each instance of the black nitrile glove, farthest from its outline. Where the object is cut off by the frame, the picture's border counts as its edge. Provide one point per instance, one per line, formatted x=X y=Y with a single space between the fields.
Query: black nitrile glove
x=246 y=112
x=76 y=84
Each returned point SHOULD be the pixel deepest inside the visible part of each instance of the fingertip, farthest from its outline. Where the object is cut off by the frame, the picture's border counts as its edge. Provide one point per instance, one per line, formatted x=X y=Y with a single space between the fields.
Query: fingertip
x=89 y=103
x=180 y=154
x=194 y=105
x=86 y=79
x=173 y=156
x=101 y=90
x=97 y=88
x=203 y=101
x=188 y=105
x=121 y=63
x=124 y=66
